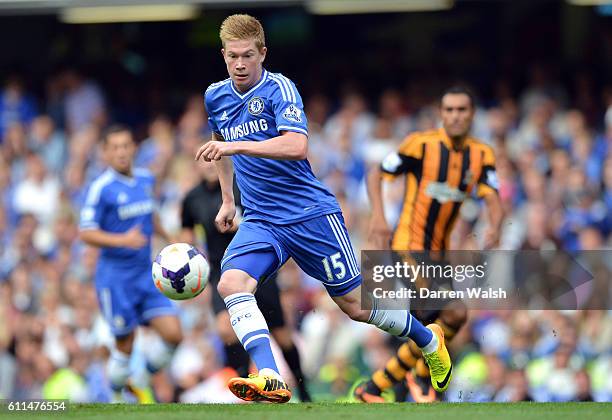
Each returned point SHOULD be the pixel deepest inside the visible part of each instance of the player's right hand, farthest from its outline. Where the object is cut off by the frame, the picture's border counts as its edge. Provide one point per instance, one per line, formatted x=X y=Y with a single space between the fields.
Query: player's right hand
x=379 y=234
x=134 y=238
x=225 y=217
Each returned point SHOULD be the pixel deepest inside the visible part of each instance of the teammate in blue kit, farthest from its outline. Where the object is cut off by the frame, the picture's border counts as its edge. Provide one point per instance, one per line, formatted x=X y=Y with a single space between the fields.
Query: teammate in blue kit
x=119 y=217
x=257 y=118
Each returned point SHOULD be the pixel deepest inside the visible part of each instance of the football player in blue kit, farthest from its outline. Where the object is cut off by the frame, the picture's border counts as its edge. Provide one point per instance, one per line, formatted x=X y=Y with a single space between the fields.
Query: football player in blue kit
x=257 y=119
x=119 y=218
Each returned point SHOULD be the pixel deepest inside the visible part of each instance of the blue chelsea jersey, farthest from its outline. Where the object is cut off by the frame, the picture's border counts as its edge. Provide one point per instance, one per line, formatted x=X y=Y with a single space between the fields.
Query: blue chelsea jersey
x=277 y=191
x=116 y=203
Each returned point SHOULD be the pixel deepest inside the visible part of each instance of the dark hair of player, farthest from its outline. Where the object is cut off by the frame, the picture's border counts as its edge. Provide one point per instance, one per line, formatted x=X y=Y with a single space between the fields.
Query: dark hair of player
x=460 y=90
x=114 y=129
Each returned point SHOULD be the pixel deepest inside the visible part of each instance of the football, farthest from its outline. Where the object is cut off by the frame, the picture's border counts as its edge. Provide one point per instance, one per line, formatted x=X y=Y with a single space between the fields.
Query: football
x=180 y=271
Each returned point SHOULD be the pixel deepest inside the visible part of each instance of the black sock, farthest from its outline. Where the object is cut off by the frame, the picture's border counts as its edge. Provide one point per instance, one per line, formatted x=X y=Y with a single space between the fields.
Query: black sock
x=293 y=360
x=401 y=391
x=372 y=388
x=237 y=358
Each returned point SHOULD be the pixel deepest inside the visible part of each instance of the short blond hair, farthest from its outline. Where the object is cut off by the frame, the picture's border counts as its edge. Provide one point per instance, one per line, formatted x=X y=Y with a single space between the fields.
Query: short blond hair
x=241 y=27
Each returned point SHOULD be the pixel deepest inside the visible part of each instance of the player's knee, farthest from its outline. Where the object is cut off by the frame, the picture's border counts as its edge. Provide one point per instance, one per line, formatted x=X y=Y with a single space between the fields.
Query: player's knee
x=124 y=343
x=454 y=314
x=234 y=281
x=174 y=338
x=225 y=288
x=169 y=329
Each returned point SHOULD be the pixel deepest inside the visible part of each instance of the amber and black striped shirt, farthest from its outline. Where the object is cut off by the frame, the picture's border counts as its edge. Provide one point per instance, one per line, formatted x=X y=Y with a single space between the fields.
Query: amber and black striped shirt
x=438 y=179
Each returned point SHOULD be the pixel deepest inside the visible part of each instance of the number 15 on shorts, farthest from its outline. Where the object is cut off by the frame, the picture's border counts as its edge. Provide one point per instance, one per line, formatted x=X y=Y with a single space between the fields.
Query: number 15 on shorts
x=338 y=267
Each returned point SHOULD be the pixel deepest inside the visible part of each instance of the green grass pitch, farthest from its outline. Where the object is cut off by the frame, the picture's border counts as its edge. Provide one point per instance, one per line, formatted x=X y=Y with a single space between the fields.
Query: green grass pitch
x=324 y=411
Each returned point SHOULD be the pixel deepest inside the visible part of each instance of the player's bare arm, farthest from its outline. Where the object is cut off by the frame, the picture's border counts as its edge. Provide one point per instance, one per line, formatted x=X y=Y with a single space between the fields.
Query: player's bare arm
x=227 y=211
x=495 y=216
x=288 y=146
x=186 y=235
x=379 y=233
x=133 y=238
x=159 y=229
x=225 y=169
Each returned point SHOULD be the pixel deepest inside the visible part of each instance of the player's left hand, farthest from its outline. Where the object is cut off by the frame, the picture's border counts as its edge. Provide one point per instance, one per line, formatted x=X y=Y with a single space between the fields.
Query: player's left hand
x=225 y=217
x=215 y=150
x=491 y=238
x=379 y=233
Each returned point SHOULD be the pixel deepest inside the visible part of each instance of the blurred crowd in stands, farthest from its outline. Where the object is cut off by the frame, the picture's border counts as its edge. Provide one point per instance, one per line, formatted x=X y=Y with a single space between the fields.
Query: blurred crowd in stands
x=554 y=162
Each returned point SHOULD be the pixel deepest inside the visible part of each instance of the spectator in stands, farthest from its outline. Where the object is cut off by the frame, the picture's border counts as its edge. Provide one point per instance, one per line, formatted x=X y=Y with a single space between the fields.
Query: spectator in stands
x=16 y=105
x=83 y=102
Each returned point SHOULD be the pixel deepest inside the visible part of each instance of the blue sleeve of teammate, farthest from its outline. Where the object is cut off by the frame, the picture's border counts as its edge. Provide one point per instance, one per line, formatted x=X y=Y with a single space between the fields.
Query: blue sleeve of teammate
x=288 y=107
x=211 y=121
x=93 y=209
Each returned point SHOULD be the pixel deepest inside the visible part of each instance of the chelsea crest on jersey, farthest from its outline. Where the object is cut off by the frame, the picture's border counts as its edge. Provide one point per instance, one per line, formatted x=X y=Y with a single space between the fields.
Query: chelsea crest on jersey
x=280 y=191
x=271 y=106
